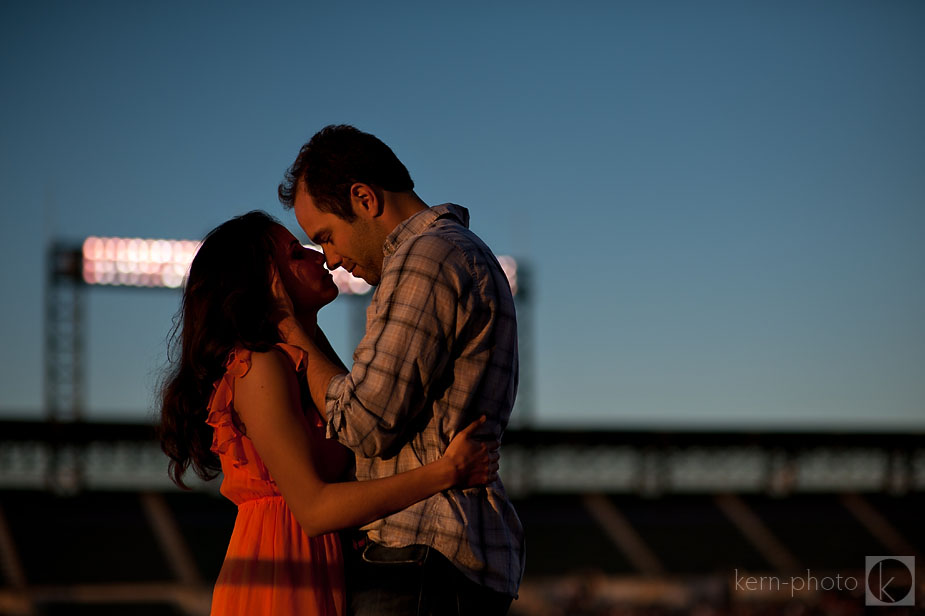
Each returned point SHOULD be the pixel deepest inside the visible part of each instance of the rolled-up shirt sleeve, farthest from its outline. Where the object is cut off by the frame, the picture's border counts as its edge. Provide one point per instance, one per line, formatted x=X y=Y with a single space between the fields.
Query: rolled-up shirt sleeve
x=410 y=330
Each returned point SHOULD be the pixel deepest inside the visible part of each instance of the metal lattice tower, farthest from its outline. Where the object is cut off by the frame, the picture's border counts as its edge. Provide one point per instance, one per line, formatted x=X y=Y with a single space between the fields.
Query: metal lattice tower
x=64 y=361
x=524 y=415
x=64 y=335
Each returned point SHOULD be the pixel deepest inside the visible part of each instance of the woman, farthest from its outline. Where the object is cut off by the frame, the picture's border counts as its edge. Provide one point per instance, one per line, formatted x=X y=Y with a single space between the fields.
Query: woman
x=236 y=401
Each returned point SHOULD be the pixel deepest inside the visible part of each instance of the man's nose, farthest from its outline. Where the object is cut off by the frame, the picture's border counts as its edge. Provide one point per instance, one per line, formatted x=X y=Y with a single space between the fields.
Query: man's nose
x=332 y=259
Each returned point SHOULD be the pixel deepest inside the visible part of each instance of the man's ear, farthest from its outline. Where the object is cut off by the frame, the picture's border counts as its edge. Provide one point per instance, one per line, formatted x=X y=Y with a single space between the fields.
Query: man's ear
x=366 y=200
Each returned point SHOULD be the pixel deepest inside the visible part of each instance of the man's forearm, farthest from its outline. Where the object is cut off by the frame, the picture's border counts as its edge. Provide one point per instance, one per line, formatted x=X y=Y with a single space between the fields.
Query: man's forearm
x=320 y=367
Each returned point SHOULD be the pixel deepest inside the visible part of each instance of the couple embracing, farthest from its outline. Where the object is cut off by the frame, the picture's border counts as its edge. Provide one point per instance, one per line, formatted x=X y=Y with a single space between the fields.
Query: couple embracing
x=368 y=490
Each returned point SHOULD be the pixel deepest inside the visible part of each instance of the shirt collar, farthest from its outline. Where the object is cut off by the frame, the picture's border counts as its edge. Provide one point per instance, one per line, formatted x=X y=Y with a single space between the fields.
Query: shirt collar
x=418 y=223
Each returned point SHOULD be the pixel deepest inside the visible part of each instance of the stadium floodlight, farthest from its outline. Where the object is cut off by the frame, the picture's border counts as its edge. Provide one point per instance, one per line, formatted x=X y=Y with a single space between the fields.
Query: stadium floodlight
x=136 y=262
x=153 y=263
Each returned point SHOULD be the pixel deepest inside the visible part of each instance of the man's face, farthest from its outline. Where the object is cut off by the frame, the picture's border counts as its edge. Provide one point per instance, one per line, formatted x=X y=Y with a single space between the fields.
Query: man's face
x=354 y=246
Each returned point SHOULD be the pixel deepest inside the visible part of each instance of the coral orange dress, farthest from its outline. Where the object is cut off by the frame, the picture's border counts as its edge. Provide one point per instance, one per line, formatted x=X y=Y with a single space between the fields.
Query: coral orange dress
x=272 y=566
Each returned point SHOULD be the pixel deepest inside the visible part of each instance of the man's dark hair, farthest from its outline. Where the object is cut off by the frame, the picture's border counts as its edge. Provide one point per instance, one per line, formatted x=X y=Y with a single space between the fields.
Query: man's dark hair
x=337 y=157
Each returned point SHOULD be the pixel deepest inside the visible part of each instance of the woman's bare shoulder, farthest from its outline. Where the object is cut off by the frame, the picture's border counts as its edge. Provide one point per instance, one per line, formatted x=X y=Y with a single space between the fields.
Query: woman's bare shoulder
x=269 y=369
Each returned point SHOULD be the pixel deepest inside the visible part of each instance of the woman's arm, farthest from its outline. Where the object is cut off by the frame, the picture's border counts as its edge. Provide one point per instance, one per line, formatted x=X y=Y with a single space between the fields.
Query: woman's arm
x=267 y=402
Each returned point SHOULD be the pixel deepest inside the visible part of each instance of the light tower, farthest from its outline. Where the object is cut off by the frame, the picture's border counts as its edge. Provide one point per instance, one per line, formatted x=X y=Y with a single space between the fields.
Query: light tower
x=64 y=332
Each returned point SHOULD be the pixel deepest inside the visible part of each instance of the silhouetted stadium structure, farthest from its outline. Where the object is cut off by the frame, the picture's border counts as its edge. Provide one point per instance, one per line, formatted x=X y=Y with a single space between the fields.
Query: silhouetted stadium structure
x=617 y=522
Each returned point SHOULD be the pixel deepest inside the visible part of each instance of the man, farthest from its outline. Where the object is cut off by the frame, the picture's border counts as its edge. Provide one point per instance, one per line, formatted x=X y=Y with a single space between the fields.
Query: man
x=440 y=349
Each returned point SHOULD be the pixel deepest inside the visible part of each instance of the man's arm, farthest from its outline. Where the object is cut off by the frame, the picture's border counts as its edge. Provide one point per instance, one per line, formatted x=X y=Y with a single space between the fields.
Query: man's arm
x=403 y=355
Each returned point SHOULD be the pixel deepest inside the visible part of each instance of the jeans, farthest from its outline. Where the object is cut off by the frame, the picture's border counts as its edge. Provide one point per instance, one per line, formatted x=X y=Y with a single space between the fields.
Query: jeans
x=415 y=581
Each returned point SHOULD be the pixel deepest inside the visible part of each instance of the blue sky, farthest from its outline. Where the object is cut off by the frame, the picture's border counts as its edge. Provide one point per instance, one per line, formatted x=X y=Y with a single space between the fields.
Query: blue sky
x=722 y=203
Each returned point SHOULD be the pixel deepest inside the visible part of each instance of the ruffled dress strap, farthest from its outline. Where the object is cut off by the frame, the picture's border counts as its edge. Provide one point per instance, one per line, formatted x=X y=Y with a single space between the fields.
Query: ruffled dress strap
x=297 y=356
x=227 y=439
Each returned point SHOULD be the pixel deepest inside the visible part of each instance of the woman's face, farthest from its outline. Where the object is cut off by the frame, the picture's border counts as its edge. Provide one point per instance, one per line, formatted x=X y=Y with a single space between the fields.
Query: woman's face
x=302 y=271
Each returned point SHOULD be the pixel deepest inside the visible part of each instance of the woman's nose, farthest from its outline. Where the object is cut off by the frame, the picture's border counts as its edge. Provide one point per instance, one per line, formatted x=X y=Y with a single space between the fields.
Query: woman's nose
x=317 y=256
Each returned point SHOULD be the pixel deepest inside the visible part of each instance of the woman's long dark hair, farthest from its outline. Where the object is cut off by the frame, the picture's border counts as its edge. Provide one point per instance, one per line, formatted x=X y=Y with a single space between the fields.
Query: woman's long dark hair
x=227 y=302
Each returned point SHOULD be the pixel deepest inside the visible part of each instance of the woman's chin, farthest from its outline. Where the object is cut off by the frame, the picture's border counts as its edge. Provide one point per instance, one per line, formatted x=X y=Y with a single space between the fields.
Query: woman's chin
x=317 y=301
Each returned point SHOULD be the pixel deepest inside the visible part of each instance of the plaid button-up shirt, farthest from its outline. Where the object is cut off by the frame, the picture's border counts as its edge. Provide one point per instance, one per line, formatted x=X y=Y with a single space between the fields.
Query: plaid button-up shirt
x=440 y=350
